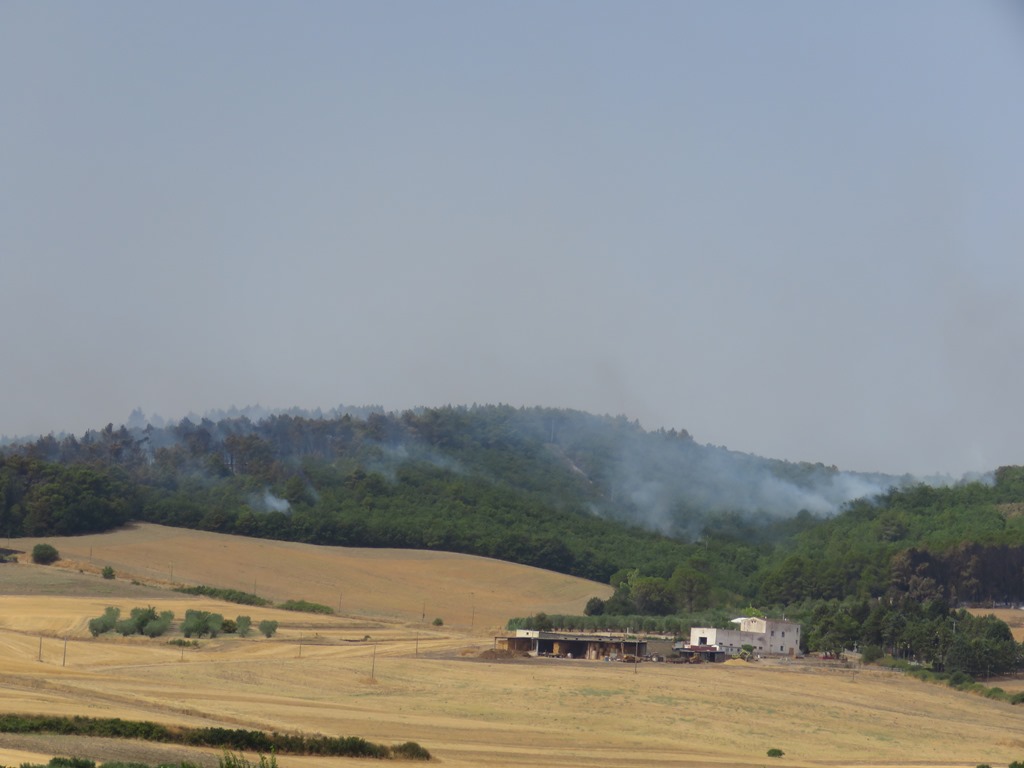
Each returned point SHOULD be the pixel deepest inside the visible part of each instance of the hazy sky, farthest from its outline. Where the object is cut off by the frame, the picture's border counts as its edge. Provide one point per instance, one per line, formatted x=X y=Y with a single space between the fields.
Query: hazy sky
x=792 y=228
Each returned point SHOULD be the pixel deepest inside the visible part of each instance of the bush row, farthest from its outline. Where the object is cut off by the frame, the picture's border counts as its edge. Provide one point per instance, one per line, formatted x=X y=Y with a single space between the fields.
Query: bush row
x=226 y=738
x=145 y=621
x=961 y=681
x=228 y=595
x=305 y=606
x=141 y=621
x=668 y=625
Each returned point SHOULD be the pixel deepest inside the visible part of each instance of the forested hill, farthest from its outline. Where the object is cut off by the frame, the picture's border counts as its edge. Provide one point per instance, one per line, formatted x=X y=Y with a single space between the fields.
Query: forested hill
x=583 y=494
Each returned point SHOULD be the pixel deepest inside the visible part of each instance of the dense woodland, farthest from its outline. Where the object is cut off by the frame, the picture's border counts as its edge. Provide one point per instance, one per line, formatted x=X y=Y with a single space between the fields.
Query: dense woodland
x=673 y=525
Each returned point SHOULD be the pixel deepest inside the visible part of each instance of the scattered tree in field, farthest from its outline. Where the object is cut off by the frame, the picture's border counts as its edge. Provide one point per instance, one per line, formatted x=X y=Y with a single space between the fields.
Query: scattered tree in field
x=141 y=621
x=268 y=627
x=438 y=622
x=126 y=627
x=243 y=626
x=106 y=622
x=201 y=623
x=108 y=572
x=159 y=625
x=775 y=752
x=45 y=554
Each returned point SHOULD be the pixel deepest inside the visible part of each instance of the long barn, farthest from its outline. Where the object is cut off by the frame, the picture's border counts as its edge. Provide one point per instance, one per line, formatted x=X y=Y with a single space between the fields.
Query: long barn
x=571 y=646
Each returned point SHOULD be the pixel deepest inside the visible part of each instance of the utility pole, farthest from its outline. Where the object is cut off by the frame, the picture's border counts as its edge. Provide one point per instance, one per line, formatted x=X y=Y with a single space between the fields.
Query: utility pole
x=64 y=661
x=373 y=664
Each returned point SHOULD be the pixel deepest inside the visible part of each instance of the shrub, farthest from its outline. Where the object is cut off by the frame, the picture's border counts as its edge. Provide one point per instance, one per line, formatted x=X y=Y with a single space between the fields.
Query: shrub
x=106 y=622
x=71 y=762
x=142 y=616
x=410 y=750
x=229 y=627
x=201 y=623
x=45 y=554
x=871 y=653
x=243 y=625
x=438 y=622
x=158 y=626
x=268 y=628
x=305 y=606
x=773 y=752
x=1017 y=698
x=126 y=627
x=960 y=679
x=595 y=607
x=231 y=760
x=108 y=572
x=229 y=595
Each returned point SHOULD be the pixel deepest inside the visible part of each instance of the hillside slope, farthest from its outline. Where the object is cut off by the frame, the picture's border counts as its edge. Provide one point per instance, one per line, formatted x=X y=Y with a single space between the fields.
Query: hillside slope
x=408 y=681
x=462 y=590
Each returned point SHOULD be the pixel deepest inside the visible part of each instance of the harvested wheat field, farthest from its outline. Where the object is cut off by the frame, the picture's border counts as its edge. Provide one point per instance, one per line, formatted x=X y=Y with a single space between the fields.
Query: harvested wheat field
x=379 y=671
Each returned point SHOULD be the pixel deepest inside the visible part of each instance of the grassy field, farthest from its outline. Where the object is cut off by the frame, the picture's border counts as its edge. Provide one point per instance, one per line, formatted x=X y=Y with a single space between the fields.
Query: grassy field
x=381 y=670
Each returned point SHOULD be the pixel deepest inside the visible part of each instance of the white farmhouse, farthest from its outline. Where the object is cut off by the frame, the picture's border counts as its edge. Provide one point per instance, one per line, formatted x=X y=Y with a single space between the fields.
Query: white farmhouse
x=769 y=637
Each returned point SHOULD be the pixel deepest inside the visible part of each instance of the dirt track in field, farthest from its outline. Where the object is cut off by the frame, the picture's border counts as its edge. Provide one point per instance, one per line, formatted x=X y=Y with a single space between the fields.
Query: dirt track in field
x=379 y=671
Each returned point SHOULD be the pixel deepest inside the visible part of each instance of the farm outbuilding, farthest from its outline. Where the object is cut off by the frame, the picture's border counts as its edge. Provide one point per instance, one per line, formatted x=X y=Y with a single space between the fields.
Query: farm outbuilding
x=766 y=637
x=571 y=646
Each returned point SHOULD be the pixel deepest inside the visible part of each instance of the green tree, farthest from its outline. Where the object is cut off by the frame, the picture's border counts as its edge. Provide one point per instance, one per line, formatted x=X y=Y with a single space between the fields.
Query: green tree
x=690 y=588
x=268 y=628
x=45 y=554
x=595 y=607
x=652 y=596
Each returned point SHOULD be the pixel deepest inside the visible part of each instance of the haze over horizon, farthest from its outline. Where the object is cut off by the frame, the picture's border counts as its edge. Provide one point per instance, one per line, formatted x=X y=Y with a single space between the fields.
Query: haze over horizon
x=790 y=229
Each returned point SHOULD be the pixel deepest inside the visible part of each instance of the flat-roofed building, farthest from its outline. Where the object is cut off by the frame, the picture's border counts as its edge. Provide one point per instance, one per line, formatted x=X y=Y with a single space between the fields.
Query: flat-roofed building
x=570 y=645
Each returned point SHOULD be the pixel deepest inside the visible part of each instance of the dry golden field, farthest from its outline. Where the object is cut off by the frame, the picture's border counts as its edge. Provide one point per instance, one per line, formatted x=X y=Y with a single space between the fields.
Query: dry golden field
x=378 y=670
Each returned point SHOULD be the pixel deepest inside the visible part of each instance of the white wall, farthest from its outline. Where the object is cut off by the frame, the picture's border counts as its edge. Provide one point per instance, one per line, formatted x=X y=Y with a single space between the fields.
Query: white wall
x=768 y=636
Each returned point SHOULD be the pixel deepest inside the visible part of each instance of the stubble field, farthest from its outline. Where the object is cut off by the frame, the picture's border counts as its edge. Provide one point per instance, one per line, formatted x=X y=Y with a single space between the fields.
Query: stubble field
x=379 y=669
